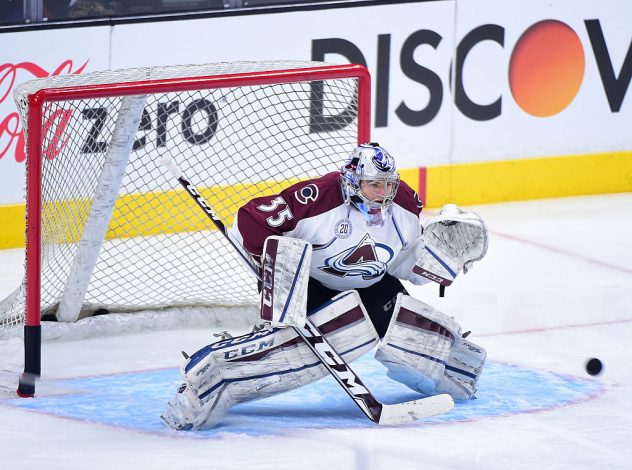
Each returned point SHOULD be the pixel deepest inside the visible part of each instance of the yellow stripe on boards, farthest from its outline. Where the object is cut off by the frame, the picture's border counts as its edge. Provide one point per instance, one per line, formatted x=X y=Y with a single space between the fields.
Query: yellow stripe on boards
x=464 y=184
x=12 y=226
x=162 y=212
x=533 y=178
x=411 y=177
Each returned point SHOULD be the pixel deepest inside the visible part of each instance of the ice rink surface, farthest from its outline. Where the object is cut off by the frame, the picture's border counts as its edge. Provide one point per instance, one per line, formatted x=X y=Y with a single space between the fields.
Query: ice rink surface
x=554 y=290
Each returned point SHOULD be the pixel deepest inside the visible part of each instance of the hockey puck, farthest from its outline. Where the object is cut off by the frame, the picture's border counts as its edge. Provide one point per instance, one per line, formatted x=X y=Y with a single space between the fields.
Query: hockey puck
x=594 y=366
x=101 y=311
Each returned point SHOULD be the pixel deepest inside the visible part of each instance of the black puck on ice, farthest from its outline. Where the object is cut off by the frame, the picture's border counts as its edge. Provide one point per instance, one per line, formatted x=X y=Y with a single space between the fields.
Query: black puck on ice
x=101 y=311
x=594 y=366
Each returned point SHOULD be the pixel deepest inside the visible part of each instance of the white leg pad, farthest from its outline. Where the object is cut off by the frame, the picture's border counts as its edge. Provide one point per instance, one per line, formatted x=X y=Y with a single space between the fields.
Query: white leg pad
x=424 y=350
x=265 y=363
x=463 y=370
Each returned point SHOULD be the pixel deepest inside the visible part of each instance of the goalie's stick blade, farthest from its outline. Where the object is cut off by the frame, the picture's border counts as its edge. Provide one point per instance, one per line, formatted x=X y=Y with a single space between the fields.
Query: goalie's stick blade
x=400 y=413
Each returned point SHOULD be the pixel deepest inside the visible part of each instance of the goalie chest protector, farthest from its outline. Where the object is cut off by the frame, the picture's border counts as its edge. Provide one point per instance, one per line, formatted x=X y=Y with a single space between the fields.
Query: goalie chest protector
x=347 y=253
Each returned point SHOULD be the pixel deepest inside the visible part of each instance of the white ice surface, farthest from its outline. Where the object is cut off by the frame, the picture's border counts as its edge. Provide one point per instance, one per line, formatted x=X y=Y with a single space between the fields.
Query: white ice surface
x=554 y=290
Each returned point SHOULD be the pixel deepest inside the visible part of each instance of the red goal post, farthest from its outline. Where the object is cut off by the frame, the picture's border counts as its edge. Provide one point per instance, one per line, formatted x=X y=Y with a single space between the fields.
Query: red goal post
x=267 y=123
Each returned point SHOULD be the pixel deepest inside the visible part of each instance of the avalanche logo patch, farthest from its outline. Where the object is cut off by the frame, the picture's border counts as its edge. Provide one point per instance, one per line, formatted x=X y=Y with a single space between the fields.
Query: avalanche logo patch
x=360 y=260
x=343 y=229
x=307 y=194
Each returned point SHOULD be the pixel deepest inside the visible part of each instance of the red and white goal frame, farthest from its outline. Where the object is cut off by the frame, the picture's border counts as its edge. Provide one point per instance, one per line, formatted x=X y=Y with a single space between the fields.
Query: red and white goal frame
x=240 y=130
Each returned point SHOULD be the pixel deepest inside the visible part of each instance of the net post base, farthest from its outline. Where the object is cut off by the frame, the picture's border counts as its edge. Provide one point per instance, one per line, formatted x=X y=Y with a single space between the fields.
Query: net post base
x=32 y=361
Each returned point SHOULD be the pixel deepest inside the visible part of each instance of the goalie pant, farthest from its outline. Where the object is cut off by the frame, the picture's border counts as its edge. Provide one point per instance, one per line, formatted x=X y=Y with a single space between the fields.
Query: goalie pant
x=264 y=363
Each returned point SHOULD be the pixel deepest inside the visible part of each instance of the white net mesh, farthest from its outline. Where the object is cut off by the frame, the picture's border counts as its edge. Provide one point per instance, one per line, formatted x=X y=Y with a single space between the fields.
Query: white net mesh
x=232 y=143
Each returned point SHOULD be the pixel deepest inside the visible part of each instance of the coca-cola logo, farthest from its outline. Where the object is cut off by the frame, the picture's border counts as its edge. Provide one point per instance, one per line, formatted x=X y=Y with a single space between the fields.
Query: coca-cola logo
x=11 y=132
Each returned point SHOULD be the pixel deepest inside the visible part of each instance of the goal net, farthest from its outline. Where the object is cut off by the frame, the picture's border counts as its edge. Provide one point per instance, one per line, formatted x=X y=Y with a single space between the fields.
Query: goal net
x=109 y=228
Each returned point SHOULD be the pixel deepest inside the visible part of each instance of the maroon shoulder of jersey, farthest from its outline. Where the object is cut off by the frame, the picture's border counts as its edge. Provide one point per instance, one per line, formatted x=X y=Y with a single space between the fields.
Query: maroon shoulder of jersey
x=314 y=197
x=280 y=213
x=408 y=199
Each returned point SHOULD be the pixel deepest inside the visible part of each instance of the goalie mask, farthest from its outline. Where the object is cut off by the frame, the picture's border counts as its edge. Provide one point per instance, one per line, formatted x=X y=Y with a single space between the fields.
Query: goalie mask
x=370 y=181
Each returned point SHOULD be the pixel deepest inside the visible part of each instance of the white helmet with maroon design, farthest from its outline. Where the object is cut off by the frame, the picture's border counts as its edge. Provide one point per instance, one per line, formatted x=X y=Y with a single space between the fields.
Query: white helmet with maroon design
x=375 y=167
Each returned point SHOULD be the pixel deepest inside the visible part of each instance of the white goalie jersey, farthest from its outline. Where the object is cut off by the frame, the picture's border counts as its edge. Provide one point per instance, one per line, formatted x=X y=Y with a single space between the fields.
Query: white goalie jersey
x=347 y=253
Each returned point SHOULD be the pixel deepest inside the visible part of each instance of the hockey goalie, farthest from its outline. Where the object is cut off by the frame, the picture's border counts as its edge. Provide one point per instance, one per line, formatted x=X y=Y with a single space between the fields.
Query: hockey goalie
x=336 y=249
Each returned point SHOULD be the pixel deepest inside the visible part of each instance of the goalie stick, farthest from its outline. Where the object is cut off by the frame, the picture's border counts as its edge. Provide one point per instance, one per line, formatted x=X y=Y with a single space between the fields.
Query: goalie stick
x=376 y=411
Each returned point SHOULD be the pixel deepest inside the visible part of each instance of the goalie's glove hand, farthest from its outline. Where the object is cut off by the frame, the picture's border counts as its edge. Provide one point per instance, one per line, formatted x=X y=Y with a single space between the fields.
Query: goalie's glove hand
x=460 y=234
x=453 y=241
